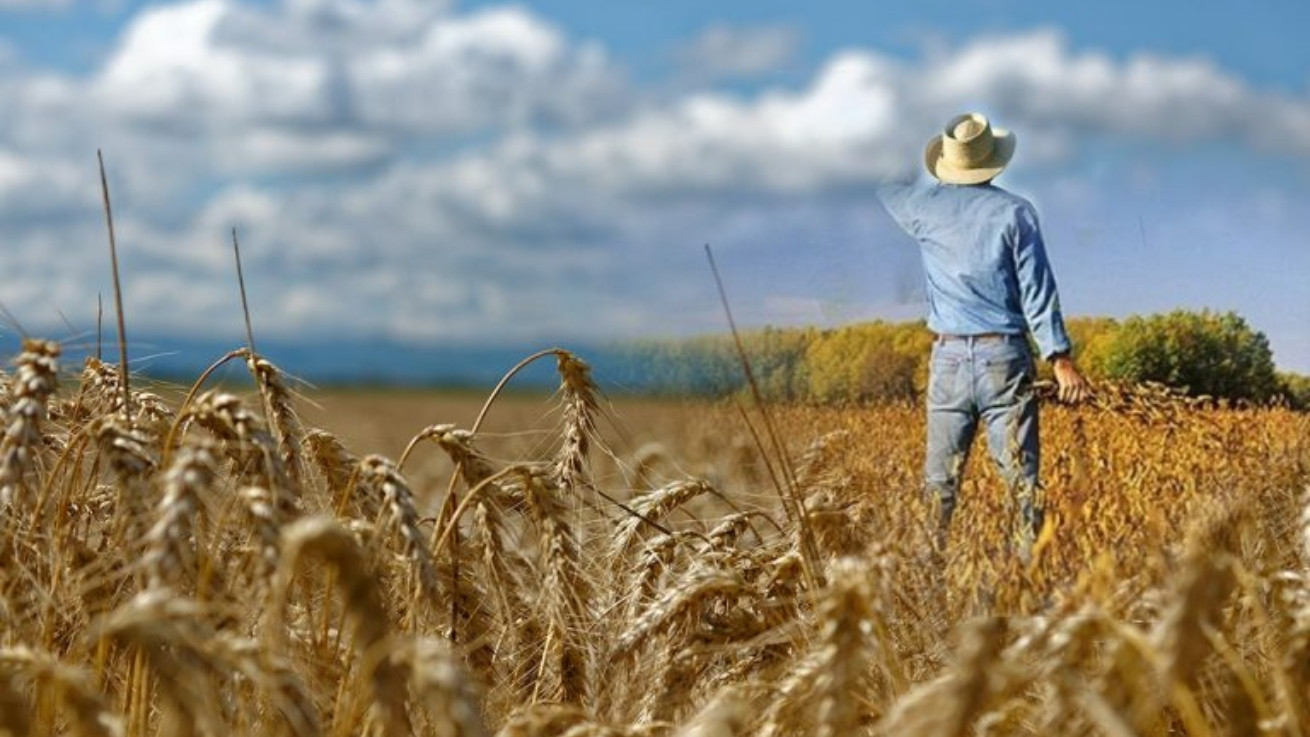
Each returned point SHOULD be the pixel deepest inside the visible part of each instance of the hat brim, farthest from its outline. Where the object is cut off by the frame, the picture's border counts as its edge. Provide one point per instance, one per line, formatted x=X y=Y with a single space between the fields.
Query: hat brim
x=1002 y=152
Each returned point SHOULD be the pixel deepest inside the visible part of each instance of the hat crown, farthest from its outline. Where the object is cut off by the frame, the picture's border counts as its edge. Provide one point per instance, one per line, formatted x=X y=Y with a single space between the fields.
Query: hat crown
x=968 y=150
x=968 y=140
x=968 y=129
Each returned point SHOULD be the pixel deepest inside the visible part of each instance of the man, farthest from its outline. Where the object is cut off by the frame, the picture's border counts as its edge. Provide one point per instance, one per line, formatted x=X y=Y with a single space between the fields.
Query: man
x=989 y=285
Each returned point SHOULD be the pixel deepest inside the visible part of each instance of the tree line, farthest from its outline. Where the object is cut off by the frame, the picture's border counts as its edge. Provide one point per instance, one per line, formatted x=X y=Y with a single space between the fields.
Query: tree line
x=1208 y=353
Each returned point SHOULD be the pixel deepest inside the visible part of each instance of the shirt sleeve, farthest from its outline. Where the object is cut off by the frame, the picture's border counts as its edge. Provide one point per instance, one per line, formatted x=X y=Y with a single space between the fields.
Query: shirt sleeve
x=1037 y=291
x=897 y=197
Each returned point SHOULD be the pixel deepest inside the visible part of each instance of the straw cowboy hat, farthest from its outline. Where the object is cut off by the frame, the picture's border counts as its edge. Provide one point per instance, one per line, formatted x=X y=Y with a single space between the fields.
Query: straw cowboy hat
x=969 y=150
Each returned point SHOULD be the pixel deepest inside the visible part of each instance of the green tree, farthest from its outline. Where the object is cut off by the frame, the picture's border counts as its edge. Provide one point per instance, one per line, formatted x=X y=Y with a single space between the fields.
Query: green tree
x=711 y=365
x=1295 y=388
x=777 y=357
x=1092 y=338
x=913 y=339
x=1206 y=352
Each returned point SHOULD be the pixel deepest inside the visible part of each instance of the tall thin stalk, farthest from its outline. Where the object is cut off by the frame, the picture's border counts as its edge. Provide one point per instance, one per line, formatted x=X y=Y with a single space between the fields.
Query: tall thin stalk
x=790 y=499
x=118 y=292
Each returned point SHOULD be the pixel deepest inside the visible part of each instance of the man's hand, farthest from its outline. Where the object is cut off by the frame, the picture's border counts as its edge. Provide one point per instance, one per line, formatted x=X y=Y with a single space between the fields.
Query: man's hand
x=1072 y=386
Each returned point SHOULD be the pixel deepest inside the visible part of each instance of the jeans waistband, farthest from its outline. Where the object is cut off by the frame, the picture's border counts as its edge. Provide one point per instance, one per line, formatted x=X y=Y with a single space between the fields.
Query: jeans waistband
x=978 y=338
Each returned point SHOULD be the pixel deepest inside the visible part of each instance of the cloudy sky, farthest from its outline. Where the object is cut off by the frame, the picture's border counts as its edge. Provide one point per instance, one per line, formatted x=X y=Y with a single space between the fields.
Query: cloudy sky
x=434 y=171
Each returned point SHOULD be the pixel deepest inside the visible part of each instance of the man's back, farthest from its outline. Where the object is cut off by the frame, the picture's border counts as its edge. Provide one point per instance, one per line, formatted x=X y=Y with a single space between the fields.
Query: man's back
x=984 y=260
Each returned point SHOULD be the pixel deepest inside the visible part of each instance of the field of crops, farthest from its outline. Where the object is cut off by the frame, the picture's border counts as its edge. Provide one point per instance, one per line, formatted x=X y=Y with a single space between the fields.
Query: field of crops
x=259 y=563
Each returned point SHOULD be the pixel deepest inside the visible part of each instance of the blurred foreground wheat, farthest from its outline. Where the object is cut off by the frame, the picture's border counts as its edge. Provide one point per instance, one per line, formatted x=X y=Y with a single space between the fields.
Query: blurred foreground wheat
x=213 y=567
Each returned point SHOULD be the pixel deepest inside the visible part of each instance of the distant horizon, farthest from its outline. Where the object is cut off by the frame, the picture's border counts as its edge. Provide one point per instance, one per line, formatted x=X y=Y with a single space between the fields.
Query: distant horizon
x=385 y=362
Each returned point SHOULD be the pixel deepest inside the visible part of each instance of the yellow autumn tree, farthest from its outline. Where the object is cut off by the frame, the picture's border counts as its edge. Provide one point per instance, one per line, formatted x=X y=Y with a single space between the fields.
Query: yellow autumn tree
x=867 y=362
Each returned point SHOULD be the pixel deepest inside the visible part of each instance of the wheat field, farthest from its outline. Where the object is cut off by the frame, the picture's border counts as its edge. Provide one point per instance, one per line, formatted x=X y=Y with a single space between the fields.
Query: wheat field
x=202 y=562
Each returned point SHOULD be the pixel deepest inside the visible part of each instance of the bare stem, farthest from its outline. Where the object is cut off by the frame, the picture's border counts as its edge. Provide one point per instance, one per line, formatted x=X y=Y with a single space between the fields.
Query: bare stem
x=118 y=292
x=787 y=494
x=245 y=306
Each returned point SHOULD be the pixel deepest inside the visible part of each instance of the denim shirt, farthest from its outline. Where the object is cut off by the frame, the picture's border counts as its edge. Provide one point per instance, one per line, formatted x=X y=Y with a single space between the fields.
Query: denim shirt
x=984 y=260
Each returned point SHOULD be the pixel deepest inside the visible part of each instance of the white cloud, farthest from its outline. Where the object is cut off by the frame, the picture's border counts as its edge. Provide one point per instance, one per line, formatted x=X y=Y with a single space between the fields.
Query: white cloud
x=170 y=67
x=1038 y=81
x=39 y=187
x=272 y=149
x=865 y=117
x=314 y=85
x=334 y=27
x=493 y=67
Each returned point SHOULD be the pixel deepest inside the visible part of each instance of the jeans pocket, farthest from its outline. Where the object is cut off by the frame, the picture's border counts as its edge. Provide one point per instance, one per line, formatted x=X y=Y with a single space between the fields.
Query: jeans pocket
x=1008 y=378
x=945 y=380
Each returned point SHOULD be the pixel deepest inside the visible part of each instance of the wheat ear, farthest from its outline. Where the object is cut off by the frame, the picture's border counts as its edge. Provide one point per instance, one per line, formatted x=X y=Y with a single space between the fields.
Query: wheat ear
x=948 y=705
x=337 y=466
x=379 y=477
x=171 y=551
x=652 y=507
x=500 y=561
x=578 y=391
x=565 y=593
x=725 y=716
x=272 y=674
x=258 y=504
x=31 y=387
x=101 y=393
x=282 y=418
x=551 y=720
x=225 y=416
x=131 y=460
x=846 y=612
x=440 y=682
x=168 y=631
x=323 y=537
x=91 y=714
x=679 y=605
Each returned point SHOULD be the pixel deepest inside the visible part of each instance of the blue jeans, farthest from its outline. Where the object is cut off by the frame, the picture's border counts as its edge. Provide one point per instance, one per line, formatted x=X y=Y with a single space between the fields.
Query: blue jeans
x=987 y=378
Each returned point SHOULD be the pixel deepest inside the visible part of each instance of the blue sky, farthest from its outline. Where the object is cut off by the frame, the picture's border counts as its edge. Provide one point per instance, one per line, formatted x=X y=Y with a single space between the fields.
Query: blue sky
x=434 y=172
